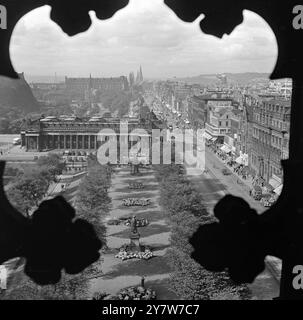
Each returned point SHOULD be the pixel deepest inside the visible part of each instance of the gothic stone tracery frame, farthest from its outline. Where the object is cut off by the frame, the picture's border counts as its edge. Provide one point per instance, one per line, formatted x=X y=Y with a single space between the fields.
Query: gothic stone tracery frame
x=221 y=16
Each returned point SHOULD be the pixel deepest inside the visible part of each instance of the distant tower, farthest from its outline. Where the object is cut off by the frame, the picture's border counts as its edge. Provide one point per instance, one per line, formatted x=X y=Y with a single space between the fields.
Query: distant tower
x=138 y=80
x=141 y=74
x=131 y=79
x=90 y=82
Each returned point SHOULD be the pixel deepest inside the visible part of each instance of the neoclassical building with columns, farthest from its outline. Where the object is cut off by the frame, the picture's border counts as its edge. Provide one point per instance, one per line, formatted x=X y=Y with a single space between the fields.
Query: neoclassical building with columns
x=72 y=133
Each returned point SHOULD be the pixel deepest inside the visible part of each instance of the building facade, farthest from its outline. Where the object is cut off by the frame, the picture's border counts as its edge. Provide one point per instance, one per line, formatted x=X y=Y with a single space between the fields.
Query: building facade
x=84 y=88
x=197 y=111
x=71 y=133
x=82 y=84
x=219 y=123
x=270 y=137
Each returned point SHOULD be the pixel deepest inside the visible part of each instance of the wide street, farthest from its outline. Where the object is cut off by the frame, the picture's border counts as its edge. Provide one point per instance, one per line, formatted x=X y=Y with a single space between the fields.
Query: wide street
x=229 y=184
x=213 y=185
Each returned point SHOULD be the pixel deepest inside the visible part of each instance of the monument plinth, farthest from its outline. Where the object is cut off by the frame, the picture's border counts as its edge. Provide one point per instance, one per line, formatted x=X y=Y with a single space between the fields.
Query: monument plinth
x=134 y=235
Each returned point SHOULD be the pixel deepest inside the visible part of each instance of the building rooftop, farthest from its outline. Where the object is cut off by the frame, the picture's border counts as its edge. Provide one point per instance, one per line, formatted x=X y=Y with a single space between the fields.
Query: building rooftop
x=210 y=97
x=54 y=119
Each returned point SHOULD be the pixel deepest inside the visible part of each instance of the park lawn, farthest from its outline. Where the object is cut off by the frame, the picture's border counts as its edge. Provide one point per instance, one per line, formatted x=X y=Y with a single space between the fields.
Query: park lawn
x=150 y=230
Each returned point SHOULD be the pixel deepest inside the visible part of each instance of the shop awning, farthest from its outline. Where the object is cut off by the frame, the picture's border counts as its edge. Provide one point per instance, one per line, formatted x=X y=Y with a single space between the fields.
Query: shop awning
x=240 y=160
x=226 y=148
x=279 y=189
x=207 y=136
x=274 y=183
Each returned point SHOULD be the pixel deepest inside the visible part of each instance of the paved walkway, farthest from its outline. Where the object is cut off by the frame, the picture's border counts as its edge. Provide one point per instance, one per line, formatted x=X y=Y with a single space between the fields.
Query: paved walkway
x=215 y=164
x=230 y=182
x=118 y=274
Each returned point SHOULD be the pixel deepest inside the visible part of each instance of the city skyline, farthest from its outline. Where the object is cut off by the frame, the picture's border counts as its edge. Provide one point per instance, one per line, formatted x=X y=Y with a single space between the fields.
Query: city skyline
x=144 y=33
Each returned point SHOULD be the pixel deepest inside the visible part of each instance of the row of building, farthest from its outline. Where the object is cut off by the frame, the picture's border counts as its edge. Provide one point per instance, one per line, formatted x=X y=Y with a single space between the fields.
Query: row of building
x=83 y=89
x=250 y=122
x=77 y=89
x=257 y=131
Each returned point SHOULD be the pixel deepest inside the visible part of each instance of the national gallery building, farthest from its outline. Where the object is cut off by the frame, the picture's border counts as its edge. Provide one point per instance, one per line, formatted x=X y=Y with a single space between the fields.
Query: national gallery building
x=71 y=133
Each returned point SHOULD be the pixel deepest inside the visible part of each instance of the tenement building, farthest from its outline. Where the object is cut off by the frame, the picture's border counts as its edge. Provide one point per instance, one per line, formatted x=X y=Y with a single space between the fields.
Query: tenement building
x=270 y=137
x=71 y=133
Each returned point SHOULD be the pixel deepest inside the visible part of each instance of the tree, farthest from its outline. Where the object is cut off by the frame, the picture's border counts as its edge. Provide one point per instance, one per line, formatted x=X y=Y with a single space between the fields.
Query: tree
x=27 y=192
x=93 y=201
x=16 y=198
x=28 y=189
x=93 y=189
x=51 y=163
x=4 y=125
x=12 y=171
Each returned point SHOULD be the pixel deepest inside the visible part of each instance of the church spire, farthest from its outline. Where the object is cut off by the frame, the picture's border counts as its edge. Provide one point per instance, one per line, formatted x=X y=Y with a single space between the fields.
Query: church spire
x=141 y=74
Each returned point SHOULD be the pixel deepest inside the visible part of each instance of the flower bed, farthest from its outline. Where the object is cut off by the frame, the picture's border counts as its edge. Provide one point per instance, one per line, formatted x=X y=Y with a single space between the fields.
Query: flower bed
x=136 y=186
x=140 y=222
x=136 y=202
x=137 y=293
x=126 y=222
x=114 y=222
x=131 y=293
x=126 y=254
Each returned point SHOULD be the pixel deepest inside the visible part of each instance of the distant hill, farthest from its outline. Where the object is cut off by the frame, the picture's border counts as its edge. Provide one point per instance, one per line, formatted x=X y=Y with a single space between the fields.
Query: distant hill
x=239 y=78
x=44 y=78
x=16 y=93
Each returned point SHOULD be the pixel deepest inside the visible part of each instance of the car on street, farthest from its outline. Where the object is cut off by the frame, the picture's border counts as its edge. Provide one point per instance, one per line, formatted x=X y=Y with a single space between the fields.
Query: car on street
x=226 y=172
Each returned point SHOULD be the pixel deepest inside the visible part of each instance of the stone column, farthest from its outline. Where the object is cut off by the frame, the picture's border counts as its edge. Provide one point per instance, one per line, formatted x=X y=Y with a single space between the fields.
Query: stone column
x=38 y=144
x=77 y=142
x=64 y=142
x=89 y=142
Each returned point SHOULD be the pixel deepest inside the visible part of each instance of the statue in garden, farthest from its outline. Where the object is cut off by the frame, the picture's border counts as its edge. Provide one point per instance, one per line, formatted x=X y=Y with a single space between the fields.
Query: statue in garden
x=133 y=225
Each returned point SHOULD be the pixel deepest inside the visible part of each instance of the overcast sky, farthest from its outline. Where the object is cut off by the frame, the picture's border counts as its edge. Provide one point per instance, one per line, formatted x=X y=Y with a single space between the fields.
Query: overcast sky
x=146 y=32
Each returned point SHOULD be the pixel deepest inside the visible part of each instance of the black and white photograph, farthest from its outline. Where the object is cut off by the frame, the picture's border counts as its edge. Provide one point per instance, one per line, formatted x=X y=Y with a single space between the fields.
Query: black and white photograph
x=151 y=150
